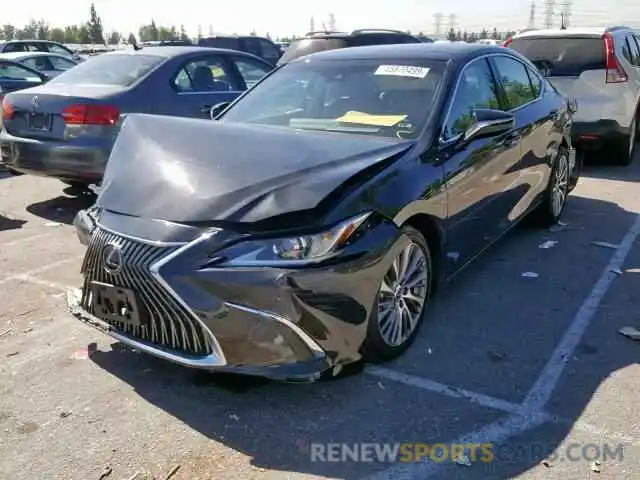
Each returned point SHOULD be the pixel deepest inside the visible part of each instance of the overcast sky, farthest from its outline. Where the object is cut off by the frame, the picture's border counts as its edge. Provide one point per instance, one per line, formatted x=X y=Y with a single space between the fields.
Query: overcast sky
x=285 y=17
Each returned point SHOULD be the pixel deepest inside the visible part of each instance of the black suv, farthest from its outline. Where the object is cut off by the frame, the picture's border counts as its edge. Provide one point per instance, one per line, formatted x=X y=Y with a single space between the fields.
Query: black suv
x=314 y=42
x=258 y=46
x=36 y=46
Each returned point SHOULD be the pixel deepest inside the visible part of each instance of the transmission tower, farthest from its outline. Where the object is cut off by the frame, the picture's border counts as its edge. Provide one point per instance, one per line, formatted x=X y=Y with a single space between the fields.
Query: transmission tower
x=437 y=23
x=532 y=15
x=452 y=22
x=312 y=25
x=565 y=12
x=332 y=22
x=549 y=9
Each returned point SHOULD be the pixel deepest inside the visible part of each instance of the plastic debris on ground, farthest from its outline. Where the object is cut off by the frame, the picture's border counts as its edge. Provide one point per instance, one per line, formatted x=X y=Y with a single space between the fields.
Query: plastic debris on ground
x=612 y=246
x=52 y=224
x=548 y=244
x=630 y=332
x=595 y=467
x=529 y=275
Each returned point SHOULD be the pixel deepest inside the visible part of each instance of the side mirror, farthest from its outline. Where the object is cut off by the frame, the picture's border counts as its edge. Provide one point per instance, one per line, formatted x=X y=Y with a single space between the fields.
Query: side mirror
x=218 y=109
x=489 y=123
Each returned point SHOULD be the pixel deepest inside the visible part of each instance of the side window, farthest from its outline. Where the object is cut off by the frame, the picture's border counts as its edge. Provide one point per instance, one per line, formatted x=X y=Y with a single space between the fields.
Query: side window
x=251 y=45
x=626 y=51
x=476 y=89
x=633 y=48
x=61 y=64
x=53 y=48
x=204 y=75
x=536 y=82
x=251 y=71
x=515 y=81
x=40 y=63
x=269 y=51
x=14 y=72
x=15 y=47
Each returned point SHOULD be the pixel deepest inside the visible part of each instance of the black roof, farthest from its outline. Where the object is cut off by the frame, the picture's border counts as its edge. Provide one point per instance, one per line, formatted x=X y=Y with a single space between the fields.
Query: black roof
x=457 y=51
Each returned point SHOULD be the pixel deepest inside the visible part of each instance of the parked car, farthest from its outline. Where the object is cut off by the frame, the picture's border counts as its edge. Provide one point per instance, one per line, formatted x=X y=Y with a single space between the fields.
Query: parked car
x=600 y=68
x=320 y=41
x=51 y=64
x=258 y=46
x=15 y=76
x=10 y=46
x=65 y=129
x=309 y=225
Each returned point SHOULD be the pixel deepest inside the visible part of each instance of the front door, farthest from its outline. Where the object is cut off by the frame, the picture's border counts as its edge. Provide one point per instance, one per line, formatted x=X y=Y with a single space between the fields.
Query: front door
x=473 y=172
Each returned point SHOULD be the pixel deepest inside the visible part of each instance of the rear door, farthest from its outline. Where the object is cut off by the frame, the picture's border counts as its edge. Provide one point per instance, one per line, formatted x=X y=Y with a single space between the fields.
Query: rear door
x=524 y=176
x=201 y=83
x=16 y=77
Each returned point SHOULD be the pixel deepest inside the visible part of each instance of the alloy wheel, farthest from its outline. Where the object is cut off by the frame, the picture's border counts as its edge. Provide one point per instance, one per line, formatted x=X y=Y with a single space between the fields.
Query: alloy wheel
x=402 y=296
x=560 y=185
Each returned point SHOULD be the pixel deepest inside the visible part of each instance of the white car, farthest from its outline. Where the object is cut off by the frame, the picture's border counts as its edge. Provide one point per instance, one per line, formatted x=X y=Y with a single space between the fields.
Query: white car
x=600 y=68
x=51 y=64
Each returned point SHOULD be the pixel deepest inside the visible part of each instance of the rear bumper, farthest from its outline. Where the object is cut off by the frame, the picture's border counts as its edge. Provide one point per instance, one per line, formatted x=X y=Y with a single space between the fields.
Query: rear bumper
x=597 y=134
x=53 y=159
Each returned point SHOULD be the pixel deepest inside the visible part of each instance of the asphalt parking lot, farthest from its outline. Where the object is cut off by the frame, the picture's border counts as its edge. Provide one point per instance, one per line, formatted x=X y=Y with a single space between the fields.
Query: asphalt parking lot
x=531 y=363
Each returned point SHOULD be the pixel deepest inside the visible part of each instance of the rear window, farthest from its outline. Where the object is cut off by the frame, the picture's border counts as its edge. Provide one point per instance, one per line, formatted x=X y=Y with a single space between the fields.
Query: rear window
x=307 y=46
x=562 y=56
x=122 y=70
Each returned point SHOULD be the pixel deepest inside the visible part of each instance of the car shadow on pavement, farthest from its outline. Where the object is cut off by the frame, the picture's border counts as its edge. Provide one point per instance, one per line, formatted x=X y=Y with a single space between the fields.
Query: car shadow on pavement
x=7 y=223
x=62 y=209
x=273 y=423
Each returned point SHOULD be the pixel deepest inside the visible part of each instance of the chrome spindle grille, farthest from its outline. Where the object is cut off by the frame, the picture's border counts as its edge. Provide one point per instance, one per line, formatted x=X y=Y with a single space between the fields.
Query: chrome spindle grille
x=169 y=325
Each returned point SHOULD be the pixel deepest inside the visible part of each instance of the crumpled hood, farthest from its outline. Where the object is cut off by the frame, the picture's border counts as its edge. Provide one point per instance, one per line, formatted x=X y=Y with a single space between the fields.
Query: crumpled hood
x=190 y=170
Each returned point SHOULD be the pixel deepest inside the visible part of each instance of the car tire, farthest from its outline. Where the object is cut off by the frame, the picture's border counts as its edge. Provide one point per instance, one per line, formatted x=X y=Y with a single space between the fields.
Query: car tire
x=550 y=210
x=625 y=149
x=409 y=300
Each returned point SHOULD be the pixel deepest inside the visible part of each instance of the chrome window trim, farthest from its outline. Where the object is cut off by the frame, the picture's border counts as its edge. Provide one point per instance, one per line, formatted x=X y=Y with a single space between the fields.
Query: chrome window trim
x=306 y=338
x=155 y=243
x=217 y=355
x=484 y=57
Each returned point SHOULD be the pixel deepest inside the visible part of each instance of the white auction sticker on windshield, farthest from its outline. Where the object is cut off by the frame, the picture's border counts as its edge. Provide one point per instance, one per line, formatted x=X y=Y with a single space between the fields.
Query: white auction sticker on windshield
x=402 y=71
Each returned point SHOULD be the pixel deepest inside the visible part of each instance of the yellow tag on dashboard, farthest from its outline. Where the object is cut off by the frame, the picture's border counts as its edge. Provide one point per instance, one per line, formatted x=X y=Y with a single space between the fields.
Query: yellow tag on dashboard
x=367 y=119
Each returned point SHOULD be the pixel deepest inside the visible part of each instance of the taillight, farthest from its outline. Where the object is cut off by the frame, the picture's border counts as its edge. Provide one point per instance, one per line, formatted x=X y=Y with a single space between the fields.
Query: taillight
x=7 y=109
x=91 y=114
x=615 y=72
x=507 y=42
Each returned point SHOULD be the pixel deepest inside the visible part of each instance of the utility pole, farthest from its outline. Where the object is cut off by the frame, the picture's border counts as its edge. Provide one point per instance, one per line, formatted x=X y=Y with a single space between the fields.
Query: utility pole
x=312 y=25
x=332 y=22
x=532 y=15
x=549 y=10
x=452 y=22
x=437 y=23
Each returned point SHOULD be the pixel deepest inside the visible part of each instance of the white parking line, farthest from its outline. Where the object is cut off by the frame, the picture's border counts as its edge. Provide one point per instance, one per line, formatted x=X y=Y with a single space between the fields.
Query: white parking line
x=20 y=241
x=41 y=269
x=494 y=432
x=546 y=383
x=442 y=389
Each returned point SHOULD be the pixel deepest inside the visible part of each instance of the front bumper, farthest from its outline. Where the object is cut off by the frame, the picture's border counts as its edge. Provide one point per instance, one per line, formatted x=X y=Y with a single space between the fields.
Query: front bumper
x=84 y=164
x=277 y=323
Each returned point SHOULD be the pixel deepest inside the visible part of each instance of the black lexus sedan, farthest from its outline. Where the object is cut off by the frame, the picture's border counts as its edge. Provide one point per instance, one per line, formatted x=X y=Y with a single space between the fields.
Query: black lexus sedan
x=309 y=225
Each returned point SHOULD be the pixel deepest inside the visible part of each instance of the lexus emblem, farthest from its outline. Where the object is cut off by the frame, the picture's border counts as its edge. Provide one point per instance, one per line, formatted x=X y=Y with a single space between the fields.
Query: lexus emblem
x=112 y=258
x=35 y=102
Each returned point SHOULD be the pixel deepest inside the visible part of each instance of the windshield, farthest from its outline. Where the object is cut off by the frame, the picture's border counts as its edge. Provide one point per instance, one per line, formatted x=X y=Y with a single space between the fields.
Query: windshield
x=383 y=98
x=562 y=56
x=121 y=70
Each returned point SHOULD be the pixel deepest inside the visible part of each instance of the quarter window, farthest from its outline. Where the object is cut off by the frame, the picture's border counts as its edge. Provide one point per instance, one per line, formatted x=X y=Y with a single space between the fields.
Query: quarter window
x=477 y=89
x=634 y=54
x=515 y=81
x=205 y=75
x=536 y=82
x=61 y=64
x=14 y=72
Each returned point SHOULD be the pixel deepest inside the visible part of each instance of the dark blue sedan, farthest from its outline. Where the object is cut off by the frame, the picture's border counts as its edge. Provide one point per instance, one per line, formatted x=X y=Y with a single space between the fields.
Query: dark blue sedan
x=65 y=128
x=15 y=76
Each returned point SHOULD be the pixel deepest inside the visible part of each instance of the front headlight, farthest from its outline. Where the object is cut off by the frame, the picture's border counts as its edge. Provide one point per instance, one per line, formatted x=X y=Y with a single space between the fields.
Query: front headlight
x=291 y=251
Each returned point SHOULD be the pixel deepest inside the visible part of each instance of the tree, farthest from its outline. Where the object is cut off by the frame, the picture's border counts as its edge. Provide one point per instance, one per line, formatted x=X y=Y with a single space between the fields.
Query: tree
x=484 y=34
x=94 y=27
x=84 y=36
x=458 y=36
x=131 y=39
x=451 y=36
x=57 y=35
x=465 y=36
x=183 y=34
x=494 y=34
x=114 y=38
x=8 y=32
x=473 y=37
